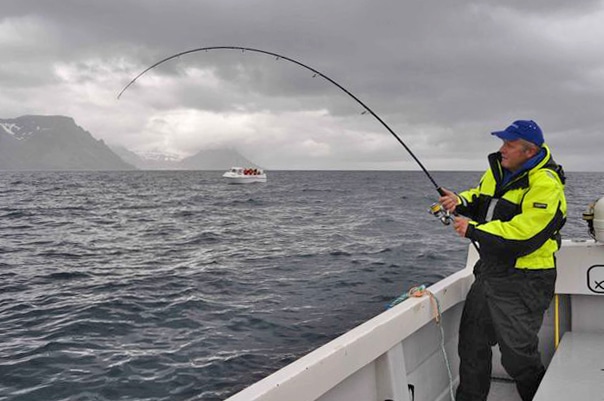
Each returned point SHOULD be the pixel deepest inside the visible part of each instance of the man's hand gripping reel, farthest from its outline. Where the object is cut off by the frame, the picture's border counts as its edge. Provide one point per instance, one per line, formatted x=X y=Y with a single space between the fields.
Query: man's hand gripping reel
x=437 y=210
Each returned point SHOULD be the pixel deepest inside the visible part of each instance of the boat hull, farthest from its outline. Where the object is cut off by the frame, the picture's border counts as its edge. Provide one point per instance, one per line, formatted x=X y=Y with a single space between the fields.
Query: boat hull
x=244 y=179
x=240 y=175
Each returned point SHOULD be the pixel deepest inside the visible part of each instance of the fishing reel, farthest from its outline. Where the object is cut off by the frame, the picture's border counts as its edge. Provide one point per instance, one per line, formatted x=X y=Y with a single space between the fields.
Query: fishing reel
x=437 y=210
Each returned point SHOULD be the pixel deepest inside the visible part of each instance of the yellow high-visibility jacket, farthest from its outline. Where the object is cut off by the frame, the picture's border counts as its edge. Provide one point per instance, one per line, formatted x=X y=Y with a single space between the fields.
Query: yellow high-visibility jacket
x=517 y=223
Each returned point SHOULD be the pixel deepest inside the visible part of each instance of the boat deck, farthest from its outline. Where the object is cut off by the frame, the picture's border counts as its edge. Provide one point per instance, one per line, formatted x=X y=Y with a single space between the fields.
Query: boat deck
x=576 y=371
x=503 y=390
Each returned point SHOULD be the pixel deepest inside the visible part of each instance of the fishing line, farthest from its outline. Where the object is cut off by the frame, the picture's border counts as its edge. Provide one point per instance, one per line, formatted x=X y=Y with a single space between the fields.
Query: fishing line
x=316 y=73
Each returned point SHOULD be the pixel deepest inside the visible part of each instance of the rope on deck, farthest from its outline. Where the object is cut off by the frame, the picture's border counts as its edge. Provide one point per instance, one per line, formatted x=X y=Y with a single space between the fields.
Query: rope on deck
x=418 y=292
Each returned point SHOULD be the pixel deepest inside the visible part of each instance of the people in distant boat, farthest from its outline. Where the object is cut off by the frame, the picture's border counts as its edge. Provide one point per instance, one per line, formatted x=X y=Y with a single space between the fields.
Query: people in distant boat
x=252 y=171
x=515 y=216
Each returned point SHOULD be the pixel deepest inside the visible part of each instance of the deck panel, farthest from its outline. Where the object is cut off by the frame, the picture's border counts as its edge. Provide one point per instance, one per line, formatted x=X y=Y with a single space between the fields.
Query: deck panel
x=576 y=371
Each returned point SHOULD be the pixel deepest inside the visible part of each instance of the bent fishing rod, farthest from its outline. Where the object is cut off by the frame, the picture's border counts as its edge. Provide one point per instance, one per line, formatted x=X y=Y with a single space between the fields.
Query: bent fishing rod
x=436 y=209
x=315 y=72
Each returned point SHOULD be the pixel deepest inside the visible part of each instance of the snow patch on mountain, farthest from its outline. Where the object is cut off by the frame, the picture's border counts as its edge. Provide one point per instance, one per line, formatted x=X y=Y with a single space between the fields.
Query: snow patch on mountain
x=20 y=132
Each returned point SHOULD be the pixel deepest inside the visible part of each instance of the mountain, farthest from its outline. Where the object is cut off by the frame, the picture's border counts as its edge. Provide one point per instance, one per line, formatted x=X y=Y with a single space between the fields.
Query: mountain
x=214 y=159
x=147 y=161
x=53 y=143
x=58 y=143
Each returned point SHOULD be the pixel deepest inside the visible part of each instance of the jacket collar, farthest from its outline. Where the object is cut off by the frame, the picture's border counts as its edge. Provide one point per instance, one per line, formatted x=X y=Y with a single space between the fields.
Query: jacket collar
x=505 y=178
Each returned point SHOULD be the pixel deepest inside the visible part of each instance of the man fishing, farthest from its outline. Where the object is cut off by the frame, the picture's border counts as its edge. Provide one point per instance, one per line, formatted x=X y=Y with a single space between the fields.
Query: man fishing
x=514 y=215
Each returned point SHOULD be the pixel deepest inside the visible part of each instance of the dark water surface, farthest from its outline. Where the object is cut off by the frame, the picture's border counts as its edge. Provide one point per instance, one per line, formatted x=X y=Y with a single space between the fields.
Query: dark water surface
x=176 y=286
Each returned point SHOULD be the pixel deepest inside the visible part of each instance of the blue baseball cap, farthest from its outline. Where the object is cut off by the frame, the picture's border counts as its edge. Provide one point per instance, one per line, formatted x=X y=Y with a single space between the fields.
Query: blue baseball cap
x=522 y=129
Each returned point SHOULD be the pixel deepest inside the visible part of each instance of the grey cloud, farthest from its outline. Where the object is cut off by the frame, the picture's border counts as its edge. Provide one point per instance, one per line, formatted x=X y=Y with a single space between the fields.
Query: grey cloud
x=464 y=66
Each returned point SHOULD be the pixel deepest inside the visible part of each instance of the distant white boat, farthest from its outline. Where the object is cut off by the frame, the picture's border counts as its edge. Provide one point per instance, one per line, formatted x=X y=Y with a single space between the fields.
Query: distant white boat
x=240 y=175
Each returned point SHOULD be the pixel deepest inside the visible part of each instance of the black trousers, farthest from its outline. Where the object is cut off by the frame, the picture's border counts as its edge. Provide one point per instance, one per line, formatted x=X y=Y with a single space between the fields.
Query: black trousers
x=505 y=306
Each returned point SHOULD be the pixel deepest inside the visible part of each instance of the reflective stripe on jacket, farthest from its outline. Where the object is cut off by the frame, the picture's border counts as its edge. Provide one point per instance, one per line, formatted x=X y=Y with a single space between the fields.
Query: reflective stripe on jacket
x=518 y=223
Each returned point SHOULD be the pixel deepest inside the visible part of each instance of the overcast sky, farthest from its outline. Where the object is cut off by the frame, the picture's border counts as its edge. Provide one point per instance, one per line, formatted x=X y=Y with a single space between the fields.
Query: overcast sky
x=441 y=74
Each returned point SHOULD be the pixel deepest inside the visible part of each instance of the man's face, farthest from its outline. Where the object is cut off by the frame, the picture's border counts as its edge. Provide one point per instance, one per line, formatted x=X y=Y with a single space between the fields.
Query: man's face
x=514 y=154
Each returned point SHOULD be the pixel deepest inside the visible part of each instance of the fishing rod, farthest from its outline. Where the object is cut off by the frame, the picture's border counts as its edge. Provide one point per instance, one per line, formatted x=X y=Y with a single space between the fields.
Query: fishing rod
x=316 y=73
x=436 y=209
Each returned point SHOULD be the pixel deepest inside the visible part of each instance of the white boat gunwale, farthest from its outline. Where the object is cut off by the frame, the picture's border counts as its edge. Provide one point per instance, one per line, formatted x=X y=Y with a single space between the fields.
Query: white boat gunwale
x=347 y=354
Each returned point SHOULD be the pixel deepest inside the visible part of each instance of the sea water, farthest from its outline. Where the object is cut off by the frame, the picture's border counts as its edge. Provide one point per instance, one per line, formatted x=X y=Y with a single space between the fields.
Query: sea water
x=176 y=286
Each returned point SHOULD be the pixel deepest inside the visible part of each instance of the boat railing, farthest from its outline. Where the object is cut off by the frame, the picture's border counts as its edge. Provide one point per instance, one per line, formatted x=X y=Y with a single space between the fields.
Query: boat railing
x=374 y=357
